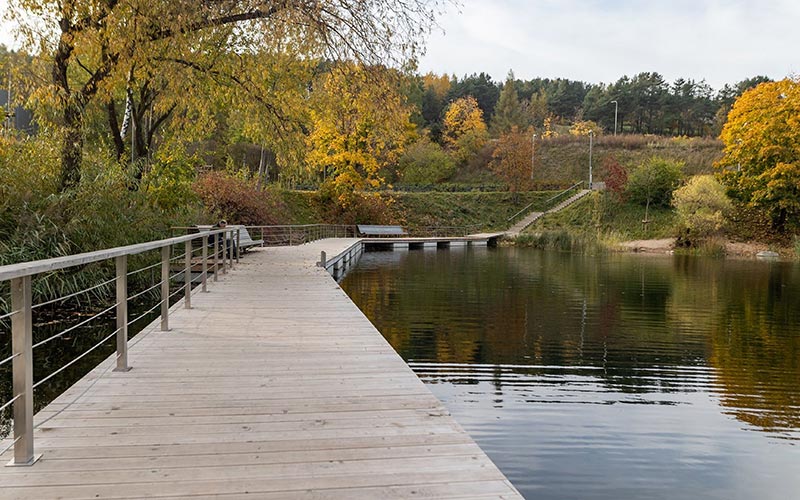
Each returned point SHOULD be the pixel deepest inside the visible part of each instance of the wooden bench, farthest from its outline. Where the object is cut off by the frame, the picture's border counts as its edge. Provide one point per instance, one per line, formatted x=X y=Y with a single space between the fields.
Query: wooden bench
x=381 y=231
x=245 y=240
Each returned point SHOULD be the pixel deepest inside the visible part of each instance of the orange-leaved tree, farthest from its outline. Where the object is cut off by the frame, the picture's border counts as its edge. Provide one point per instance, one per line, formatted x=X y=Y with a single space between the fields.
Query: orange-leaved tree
x=511 y=159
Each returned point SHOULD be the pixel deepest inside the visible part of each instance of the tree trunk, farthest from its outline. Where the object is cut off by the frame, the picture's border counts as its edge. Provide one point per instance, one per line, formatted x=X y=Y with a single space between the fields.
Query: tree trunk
x=71 y=148
x=113 y=125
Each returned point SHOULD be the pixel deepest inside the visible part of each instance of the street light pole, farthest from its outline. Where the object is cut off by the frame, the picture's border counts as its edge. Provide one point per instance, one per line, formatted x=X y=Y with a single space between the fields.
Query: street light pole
x=616 y=108
x=533 y=153
x=591 y=140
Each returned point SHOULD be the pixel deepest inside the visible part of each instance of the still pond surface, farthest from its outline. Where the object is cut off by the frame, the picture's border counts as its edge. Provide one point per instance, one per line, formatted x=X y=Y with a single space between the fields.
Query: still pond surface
x=604 y=377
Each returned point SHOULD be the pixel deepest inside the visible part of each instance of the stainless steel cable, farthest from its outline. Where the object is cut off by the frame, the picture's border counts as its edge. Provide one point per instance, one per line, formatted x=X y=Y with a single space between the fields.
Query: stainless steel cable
x=8 y=359
x=145 y=291
x=60 y=299
x=145 y=313
x=8 y=315
x=10 y=402
x=10 y=445
x=73 y=327
x=37 y=384
x=131 y=273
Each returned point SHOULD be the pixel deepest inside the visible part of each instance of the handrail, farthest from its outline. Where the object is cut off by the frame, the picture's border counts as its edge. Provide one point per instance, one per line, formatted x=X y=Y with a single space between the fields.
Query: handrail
x=21 y=275
x=564 y=191
x=12 y=271
x=529 y=205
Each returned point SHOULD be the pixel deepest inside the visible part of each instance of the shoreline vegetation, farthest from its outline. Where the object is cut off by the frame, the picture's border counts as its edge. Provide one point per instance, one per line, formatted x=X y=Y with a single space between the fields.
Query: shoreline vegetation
x=124 y=155
x=599 y=223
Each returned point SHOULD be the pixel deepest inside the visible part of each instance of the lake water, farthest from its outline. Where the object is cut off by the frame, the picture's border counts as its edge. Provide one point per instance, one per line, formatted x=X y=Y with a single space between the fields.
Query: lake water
x=604 y=377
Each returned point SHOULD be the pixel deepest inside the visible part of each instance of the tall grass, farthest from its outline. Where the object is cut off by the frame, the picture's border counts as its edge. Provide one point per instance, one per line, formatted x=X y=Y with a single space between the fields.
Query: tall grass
x=39 y=222
x=563 y=240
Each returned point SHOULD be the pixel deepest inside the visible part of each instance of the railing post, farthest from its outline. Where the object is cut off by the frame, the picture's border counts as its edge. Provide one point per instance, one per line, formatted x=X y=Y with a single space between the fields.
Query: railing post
x=187 y=276
x=238 y=243
x=121 y=263
x=22 y=370
x=290 y=235
x=205 y=263
x=165 y=288
x=263 y=241
x=216 y=257
x=224 y=244
x=323 y=260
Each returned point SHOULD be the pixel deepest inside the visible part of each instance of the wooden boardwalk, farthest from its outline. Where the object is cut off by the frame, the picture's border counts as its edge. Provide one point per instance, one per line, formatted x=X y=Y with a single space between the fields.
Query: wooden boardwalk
x=273 y=386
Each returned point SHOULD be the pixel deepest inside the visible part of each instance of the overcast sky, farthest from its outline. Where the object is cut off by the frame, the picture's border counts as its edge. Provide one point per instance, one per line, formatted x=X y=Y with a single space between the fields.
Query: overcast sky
x=601 y=40
x=721 y=41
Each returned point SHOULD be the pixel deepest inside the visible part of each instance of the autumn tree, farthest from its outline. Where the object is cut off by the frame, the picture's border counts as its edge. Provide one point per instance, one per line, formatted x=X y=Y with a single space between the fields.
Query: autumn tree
x=761 y=165
x=511 y=159
x=584 y=127
x=464 y=129
x=93 y=45
x=615 y=177
x=359 y=127
x=702 y=207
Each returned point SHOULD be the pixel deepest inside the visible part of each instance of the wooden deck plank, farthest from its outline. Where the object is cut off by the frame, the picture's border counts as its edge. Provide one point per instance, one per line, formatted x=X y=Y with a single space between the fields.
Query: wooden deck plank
x=273 y=384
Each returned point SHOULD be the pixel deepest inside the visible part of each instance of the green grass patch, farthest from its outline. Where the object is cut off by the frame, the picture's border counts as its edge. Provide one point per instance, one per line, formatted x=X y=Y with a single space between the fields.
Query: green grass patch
x=487 y=210
x=599 y=215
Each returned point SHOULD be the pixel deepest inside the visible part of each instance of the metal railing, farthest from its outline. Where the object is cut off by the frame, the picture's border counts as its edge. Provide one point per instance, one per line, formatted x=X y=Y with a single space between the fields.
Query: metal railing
x=297 y=234
x=291 y=234
x=444 y=231
x=224 y=256
x=546 y=202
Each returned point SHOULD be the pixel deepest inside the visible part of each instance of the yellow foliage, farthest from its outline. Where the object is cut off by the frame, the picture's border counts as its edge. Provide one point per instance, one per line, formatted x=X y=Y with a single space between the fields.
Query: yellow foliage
x=465 y=131
x=548 y=128
x=762 y=148
x=702 y=206
x=360 y=124
x=463 y=116
x=440 y=84
x=583 y=127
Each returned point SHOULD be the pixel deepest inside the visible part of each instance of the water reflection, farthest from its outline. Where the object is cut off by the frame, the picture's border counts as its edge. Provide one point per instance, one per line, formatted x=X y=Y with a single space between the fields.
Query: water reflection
x=605 y=377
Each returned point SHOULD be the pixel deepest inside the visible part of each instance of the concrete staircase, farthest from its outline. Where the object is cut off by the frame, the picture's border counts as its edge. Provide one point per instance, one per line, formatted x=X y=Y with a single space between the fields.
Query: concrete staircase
x=532 y=217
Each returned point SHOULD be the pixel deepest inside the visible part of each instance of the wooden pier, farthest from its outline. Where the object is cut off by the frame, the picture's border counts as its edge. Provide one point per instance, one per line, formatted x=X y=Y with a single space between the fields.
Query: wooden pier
x=272 y=386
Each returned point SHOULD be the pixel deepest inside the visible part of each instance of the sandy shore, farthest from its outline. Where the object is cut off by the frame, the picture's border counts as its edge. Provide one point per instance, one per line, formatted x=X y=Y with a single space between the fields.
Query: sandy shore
x=667 y=245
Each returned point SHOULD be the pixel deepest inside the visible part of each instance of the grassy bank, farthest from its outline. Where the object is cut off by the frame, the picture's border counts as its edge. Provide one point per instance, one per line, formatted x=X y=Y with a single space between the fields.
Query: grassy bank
x=565 y=159
x=487 y=210
x=484 y=210
x=600 y=215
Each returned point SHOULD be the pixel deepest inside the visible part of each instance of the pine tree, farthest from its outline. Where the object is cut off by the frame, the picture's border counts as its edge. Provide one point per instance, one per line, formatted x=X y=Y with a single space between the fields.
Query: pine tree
x=509 y=111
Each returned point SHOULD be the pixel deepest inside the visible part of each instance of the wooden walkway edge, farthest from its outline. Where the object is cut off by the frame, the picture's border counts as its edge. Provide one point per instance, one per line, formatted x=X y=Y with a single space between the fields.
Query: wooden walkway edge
x=274 y=385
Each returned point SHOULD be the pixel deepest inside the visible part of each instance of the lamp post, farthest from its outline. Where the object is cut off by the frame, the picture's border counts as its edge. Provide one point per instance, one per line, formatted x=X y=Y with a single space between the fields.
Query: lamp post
x=616 y=108
x=533 y=153
x=591 y=140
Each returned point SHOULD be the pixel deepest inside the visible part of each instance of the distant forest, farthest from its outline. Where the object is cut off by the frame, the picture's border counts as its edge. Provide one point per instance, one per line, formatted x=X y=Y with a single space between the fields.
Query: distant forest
x=648 y=104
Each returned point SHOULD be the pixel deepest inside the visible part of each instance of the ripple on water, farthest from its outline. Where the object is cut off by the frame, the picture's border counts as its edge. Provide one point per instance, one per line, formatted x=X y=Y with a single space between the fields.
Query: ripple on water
x=605 y=377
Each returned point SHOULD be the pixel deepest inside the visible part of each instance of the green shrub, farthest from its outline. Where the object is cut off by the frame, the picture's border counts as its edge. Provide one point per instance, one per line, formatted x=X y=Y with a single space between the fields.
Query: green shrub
x=169 y=181
x=702 y=207
x=425 y=162
x=653 y=182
